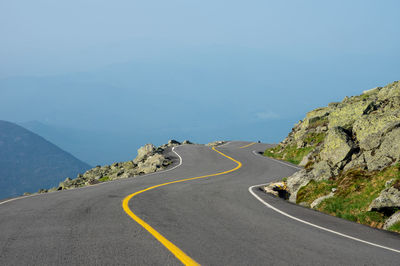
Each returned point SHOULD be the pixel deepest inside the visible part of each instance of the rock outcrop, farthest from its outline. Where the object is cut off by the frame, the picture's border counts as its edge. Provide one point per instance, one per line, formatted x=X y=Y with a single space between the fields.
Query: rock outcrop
x=387 y=201
x=149 y=159
x=359 y=132
x=216 y=143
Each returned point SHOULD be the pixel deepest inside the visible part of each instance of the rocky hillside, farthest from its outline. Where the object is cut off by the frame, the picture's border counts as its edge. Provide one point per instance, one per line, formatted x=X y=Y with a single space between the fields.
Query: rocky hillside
x=29 y=162
x=149 y=159
x=350 y=152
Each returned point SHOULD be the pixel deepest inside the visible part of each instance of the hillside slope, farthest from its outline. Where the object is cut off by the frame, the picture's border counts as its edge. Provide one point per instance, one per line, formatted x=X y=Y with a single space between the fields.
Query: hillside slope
x=28 y=162
x=350 y=152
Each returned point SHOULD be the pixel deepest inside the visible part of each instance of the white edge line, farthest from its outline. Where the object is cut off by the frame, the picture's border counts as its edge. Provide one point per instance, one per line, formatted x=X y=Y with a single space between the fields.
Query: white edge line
x=160 y=172
x=314 y=225
x=278 y=161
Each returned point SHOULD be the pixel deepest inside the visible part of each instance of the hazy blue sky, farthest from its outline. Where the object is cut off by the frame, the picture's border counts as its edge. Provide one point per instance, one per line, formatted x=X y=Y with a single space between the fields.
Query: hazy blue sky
x=146 y=71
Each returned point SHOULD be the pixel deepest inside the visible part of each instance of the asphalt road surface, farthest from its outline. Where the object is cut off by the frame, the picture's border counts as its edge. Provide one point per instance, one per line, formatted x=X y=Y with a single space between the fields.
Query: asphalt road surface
x=213 y=220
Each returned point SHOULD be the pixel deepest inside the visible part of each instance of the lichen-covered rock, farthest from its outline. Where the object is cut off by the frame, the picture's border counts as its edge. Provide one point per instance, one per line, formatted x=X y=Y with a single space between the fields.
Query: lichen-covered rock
x=369 y=129
x=144 y=152
x=149 y=159
x=172 y=143
x=152 y=164
x=296 y=181
x=395 y=218
x=361 y=132
x=216 y=143
x=357 y=161
x=388 y=199
x=387 y=154
x=390 y=91
x=322 y=171
x=345 y=114
x=338 y=146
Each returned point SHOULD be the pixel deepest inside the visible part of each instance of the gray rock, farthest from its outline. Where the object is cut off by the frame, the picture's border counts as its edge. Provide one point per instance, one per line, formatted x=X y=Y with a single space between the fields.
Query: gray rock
x=322 y=171
x=296 y=181
x=92 y=182
x=151 y=164
x=376 y=162
x=389 y=182
x=186 y=142
x=395 y=218
x=389 y=198
x=144 y=152
x=338 y=146
x=172 y=143
x=305 y=159
x=216 y=143
x=316 y=202
x=356 y=162
x=388 y=152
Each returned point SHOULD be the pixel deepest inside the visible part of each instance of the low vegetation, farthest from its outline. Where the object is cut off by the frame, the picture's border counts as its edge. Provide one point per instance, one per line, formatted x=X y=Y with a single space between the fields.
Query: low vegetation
x=294 y=154
x=395 y=227
x=289 y=153
x=314 y=190
x=104 y=179
x=355 y=190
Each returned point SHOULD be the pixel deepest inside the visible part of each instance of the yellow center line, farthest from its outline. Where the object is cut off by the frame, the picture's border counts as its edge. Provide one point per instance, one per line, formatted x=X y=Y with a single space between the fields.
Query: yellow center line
x=248 y=145
x=179 y=254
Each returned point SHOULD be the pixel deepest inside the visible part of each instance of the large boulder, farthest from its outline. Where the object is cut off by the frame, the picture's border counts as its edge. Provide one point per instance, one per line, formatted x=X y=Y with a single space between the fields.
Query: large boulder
x=369 y=129
x=144 y=152
x=390 y=91
x=388 y=199
x=216 y=143
x=322 y=171
x=296 y=181
x=387 y=154
x=151 y=164
x=338 y=146
x=345 y=114
x=173 y=143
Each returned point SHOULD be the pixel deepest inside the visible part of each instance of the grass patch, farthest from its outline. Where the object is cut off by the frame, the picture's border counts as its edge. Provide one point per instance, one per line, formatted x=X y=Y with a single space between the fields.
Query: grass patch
x=314 y=139
x=314 y=190
x=293 y=154
x=104 y=179
x=356 y=189
x=395 y=227
x=290 y=153
x=319 y=122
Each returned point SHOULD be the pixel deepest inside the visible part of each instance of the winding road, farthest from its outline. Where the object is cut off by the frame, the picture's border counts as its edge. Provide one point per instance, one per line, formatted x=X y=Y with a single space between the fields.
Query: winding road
x=205 y=210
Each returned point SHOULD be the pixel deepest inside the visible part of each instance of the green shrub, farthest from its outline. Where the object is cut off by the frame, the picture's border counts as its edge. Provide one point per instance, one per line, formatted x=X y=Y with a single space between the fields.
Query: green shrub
x=104 y=179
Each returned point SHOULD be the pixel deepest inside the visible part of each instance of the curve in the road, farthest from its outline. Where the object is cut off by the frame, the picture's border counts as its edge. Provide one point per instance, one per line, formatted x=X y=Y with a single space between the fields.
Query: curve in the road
x=305 y=222
x=178 y=253
x=248 y=145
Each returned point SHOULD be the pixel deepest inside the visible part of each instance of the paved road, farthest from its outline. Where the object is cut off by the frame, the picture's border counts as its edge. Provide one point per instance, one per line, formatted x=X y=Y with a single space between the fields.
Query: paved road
x=214 y=220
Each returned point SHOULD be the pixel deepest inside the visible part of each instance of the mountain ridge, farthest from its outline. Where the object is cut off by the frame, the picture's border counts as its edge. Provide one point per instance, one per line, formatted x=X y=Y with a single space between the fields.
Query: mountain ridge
x=29 y=161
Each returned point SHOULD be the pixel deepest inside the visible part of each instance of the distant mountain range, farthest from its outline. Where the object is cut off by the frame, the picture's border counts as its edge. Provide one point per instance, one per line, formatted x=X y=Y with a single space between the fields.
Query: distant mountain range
x=29 y=162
